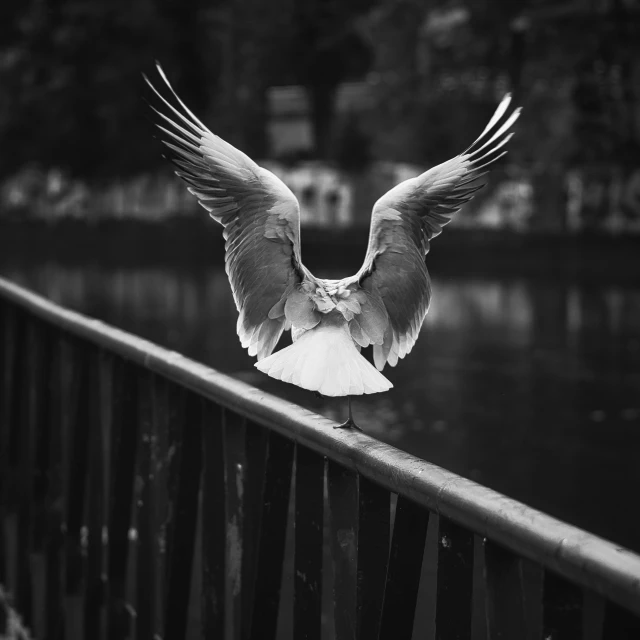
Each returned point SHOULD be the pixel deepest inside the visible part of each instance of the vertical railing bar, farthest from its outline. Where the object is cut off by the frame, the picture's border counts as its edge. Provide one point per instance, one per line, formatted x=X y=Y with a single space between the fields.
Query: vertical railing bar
x=95 y=586
x=160 y=460
x=184 y=520
x=15 y=416
x=308 y=527
x=405 y=568
x=7 y=332
x=532 y=579
x=124 y=448
x=374 y=512
x=213 y=523
x=255 y=454
x=271 y=543
x=84 y=373
x=40 y=408
x=145 y=521
x=593 y=613
x=562 y=607
x=27 y=443
x=234 y=464
x=343 y=506
x=176 y=396
x=44 y=427
x=54 y=498
x=505 y=598
x=455 y=581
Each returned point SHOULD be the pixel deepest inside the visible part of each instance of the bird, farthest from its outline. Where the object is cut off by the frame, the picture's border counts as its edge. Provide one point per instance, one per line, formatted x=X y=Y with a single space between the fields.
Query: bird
x=383 y=305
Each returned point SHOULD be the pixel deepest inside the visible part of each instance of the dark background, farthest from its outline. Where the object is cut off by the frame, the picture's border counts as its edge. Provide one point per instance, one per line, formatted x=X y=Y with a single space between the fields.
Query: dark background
x=527 y=374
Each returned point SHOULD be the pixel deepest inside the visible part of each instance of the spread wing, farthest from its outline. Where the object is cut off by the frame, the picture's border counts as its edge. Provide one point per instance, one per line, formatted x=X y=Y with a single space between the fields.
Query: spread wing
x=260 y=216
x=404 y=221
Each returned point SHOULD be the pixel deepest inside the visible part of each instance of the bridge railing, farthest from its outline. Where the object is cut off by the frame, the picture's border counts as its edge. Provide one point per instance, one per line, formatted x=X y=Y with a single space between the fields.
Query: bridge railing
x=134 y=479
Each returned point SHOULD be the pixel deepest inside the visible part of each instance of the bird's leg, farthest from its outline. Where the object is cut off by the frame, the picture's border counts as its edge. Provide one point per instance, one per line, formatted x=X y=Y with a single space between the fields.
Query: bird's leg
x=349 y=424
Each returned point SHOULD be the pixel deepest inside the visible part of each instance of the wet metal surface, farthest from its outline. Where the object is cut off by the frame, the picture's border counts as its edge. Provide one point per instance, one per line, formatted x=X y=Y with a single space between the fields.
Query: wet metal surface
x=531 y=388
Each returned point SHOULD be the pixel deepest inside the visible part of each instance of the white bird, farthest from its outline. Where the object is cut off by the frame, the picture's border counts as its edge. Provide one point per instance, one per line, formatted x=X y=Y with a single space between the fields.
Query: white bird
x=383 y=305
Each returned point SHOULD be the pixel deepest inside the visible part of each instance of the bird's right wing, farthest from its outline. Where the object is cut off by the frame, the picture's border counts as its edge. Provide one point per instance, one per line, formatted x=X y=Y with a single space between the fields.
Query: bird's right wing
x=260 y=216
x=404 y=221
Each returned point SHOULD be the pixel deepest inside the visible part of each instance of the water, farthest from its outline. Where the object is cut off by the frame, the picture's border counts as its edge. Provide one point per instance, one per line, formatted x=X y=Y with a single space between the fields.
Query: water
x=531 y=388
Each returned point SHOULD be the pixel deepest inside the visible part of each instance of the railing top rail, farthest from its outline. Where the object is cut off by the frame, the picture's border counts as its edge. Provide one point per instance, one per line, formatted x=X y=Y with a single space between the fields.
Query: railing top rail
x=581 y=557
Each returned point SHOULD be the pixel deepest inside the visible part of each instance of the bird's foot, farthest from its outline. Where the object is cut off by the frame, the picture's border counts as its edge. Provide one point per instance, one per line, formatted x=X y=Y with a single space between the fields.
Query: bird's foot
x=349 y=424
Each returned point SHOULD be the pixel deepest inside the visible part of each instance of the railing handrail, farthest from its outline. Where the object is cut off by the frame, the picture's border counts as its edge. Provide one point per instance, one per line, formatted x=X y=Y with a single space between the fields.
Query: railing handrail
x=581 y=557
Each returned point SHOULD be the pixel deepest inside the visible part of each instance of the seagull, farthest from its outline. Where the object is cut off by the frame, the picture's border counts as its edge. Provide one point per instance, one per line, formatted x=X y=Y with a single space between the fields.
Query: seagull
x=383 y=305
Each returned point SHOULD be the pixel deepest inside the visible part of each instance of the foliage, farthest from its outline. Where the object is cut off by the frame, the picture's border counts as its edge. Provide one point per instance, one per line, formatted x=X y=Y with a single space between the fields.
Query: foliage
x=72 y=91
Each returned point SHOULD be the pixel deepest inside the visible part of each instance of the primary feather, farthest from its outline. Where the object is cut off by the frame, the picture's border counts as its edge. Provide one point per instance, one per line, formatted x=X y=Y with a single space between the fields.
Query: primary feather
x=403 y=223
x=383 y=305
x=260 y=216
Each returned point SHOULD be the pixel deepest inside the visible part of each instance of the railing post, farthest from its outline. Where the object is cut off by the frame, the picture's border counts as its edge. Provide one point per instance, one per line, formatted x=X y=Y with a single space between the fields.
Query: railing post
x=505 y=599
x=55 y=499
x=255 y=456
x=7 y=337
x=98 y=452
x=234 y=465
x=13 y=354
x=43 y=424
x=343 y=505
x=271 y=544
x=124 y=440
x=308 y=523
x=78 y=446
x=455 y=581
x=373 y=555
x=184 y=519
x=214 y=526
x=405 y=568
x=150 y=513
x=562 y=608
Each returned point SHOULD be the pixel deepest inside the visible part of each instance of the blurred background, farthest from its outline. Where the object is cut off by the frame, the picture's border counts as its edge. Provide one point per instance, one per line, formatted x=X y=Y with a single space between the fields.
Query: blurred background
x=527 y=375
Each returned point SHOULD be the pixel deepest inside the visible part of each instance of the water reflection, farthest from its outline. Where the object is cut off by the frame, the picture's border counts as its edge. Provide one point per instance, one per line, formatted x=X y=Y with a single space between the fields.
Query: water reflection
x=532 y=388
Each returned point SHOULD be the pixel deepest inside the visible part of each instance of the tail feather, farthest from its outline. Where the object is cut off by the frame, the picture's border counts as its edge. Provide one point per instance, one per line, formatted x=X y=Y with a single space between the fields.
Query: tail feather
x=326 y=360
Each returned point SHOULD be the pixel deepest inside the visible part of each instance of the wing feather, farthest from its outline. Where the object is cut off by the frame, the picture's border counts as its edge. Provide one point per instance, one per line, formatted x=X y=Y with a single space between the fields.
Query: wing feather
x=403 y=223
x=260 y=216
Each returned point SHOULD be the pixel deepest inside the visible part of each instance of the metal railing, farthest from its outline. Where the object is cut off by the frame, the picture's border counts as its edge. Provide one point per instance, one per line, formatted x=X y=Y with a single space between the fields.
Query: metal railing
x=121 y=461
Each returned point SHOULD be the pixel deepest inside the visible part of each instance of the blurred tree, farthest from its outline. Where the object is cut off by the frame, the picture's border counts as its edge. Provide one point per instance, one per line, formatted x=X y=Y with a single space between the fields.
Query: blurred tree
x=73 y=69
x=71 y=87
x=327 y=49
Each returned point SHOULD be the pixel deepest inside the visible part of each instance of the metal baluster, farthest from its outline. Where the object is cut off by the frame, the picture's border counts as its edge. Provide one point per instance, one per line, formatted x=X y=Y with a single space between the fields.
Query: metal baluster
x=78 y=447
x=562 y=608
x=505 y=599
x=147 y=604
x=343 y=504
x=214 y=531
x=184 y=519
x=255 y=456
x=309 y=508
x=234 y=431
x=124 y=441
x=405 y=568
x=271 y=544
x=455 y=581
x=373 y=555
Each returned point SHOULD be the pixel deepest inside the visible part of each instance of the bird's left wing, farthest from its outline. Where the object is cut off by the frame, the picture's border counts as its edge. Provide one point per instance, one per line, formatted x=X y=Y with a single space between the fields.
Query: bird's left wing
x=404 y=221
x=260 y=216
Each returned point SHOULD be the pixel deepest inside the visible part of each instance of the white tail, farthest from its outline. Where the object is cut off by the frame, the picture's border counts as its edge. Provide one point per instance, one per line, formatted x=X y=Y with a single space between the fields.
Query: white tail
x=325 y=359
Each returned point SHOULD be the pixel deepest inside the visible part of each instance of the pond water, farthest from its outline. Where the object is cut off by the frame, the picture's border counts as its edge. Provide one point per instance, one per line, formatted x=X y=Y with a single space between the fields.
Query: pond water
x=529 y=387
